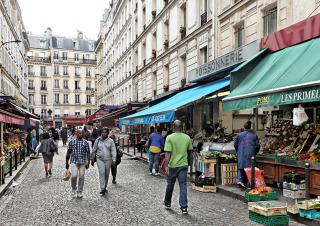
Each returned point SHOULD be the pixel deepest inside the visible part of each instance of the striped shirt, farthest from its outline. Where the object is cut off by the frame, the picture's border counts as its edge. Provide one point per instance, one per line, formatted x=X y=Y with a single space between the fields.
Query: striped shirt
x=80 y=151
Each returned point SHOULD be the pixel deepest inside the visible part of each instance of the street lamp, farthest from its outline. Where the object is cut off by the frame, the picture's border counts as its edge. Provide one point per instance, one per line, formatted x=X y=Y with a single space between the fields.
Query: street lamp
x=4 y=43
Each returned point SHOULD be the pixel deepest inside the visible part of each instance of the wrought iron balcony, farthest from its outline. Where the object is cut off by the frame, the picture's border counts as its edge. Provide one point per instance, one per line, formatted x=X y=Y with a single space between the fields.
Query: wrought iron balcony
x=39 y=59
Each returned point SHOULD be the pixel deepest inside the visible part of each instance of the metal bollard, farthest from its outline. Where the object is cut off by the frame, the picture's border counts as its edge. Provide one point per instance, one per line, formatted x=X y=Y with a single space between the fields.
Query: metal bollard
x=308 y=174
x=122 y=144
x=10 y=164
x=128 y=146
x=134 y=146
x=253 y=184
x=15 y=160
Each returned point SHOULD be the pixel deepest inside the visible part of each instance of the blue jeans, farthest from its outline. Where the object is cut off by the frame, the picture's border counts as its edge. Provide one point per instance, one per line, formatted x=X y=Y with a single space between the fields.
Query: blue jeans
x=154 y=160
x=179 y=173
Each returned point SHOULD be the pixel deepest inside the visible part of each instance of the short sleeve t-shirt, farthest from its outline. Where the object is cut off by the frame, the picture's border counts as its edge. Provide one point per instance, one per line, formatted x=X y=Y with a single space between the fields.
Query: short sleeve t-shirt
x=178 y=145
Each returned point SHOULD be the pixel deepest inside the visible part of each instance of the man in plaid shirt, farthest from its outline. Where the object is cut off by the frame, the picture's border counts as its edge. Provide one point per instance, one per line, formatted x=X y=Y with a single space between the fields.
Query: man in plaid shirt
x=79 y=151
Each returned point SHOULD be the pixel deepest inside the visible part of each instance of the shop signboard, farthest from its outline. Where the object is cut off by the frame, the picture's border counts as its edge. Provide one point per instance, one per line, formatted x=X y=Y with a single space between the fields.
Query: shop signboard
x=220 y=64
x=149 y=119
x=303 y=95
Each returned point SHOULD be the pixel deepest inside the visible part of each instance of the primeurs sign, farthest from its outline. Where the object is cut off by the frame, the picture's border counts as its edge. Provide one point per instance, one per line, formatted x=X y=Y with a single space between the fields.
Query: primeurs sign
x=221 y=63
x=302 y=95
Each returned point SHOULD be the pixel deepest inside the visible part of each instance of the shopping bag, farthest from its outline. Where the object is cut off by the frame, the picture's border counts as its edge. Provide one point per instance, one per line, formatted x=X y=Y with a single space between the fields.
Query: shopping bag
x=299 y=116
x=67 y=175
x=258 y=177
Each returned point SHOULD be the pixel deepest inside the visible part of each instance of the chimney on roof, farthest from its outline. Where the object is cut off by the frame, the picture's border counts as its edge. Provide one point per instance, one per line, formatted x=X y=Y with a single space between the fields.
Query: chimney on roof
x=48 y=32
x=80 y=35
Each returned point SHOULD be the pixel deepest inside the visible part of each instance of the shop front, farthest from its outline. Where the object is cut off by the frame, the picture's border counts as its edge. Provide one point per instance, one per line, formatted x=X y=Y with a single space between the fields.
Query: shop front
x=74 y=120
x=284 y=86
x=13 y=135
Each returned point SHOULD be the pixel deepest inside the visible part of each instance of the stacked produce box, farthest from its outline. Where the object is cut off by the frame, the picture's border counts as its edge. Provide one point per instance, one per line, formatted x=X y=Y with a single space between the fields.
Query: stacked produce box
x=268 y=213
x=294 y=186
x=309 y=209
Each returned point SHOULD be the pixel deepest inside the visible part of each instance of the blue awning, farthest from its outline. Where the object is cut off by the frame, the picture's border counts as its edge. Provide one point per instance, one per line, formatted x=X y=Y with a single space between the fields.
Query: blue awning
x=165 y=110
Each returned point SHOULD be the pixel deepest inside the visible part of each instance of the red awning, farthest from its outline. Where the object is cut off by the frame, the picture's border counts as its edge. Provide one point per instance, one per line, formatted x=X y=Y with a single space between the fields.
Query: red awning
x=11 y=120
x=97 y=114
x=292 y=35
x=33 y=123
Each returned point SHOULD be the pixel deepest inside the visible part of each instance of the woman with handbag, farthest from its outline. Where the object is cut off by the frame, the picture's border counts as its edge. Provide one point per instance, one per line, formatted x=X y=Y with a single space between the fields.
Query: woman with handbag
x=47 y=148
x=104 y=153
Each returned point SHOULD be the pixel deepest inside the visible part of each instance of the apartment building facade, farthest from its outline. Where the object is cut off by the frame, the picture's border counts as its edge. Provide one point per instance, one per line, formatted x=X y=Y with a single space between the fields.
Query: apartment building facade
x=13 y=48
x=61 y=78
x=150 y=46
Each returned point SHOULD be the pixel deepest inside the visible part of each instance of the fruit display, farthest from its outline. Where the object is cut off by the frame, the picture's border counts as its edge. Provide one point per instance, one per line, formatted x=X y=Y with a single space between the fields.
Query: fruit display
x=261 y=190
x=285 y=140
x=224 y=157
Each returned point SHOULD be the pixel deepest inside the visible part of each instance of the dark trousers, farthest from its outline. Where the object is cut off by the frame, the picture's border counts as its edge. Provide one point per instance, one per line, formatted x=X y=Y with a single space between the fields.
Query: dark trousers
x=114 y=171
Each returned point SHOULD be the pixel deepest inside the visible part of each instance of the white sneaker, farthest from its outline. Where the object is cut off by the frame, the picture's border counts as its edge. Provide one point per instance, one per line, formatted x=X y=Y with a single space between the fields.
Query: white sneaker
x=157 y=174
x=73 y=194
x=79 y=195
x=150 y=173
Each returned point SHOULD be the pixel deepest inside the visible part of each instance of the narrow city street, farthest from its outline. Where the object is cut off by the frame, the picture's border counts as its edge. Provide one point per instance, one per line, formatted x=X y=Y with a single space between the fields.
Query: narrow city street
x=135 y=200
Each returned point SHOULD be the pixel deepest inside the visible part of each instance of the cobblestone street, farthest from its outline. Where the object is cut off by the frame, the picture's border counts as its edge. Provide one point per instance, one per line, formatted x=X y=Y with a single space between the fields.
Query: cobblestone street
x=135 y=200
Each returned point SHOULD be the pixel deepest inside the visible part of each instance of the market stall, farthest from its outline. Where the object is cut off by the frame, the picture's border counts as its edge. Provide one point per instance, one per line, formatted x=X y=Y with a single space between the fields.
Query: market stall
x=283 y=85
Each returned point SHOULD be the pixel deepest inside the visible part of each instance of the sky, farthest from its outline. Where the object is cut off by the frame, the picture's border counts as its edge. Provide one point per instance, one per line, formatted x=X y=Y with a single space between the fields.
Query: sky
x=65 y=17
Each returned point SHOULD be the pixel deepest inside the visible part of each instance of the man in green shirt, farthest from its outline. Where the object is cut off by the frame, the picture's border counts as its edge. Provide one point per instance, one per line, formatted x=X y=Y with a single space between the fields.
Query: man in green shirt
x=178 y=147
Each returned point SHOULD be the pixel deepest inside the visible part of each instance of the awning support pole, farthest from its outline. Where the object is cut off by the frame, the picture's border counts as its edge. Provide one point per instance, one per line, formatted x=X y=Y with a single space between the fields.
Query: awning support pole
x=256 y=117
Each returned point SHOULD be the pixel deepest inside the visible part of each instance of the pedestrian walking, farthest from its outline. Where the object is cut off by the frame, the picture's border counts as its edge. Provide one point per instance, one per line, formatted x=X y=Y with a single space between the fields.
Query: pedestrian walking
x=178 y=149
x=79 y=152
x=64 y=136
x=95 y=134
x=86 y=133
x=47 y=148
x=30 y=150
x=155 y=145
x=118 y=160
x=34 y=140
x=247 y=145
x=104 y=153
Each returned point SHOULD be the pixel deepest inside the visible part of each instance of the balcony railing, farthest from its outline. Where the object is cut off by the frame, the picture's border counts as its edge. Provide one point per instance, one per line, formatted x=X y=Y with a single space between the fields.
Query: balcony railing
x=204 y=18
x=88 y=88
x=31 y=73
x=75 y=60
x=77 y=74
x=43 y=74
x=43 y=88
x=66 y=87
x=30 y=87
x=39 y=59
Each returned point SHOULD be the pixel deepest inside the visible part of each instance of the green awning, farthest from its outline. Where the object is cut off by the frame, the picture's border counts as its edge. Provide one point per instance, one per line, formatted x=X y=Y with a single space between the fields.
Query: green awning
x=289 y=76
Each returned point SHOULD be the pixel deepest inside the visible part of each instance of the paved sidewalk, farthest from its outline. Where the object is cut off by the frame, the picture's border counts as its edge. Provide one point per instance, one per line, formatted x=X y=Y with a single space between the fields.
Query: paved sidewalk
x=135 y=200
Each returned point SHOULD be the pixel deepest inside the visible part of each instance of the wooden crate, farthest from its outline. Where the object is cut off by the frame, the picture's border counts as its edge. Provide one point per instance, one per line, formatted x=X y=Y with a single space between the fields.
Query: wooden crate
x=208 y=166
x=307 y=204
x=204 y=188
x=299 y=194
x=229 y=173
x=268 y=208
